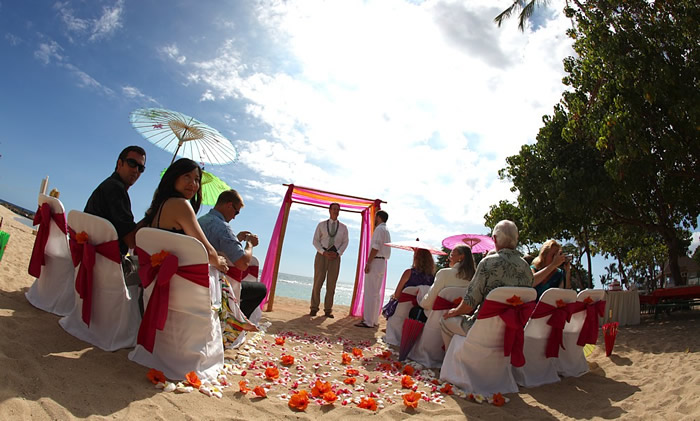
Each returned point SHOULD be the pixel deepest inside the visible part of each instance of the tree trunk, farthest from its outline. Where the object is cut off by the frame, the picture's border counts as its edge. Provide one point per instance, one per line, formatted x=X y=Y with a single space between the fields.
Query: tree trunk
x=621 y=271
x=673 y=254
x=588 y=257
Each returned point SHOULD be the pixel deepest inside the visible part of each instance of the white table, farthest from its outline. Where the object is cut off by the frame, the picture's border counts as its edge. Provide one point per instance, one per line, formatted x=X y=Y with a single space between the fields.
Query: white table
x=622 y=307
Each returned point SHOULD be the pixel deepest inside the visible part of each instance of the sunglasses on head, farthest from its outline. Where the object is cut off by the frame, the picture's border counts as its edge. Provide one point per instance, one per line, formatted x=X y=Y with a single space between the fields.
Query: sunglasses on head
x=133 y=164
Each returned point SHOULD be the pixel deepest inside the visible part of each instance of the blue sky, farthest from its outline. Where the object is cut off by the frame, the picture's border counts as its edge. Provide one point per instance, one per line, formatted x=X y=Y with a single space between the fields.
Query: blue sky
x=415 y=103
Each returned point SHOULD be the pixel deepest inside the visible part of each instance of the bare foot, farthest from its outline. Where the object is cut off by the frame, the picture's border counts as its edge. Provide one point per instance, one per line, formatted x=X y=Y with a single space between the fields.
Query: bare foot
x=249 y=327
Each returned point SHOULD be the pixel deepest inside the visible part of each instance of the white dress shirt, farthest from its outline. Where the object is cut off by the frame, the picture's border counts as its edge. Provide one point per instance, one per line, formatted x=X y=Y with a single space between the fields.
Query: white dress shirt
x=322 y=237
x=380 y=237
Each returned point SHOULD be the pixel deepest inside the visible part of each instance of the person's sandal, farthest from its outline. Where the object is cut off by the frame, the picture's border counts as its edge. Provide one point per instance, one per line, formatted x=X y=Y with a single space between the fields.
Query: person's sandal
x=362 y=324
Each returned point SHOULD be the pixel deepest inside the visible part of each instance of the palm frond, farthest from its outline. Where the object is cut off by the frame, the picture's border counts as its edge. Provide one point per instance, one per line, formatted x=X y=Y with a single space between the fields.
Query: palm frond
x=515 y=7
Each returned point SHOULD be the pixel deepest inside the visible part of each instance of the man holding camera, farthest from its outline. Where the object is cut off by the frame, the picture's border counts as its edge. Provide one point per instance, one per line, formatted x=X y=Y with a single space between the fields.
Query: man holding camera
x=330 y=241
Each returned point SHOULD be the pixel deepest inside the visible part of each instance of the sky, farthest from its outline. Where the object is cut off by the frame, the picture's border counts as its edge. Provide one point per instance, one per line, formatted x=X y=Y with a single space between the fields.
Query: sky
x=416 y=103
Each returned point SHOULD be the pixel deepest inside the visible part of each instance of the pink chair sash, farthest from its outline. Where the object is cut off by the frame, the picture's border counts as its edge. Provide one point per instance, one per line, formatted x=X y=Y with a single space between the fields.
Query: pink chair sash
x=515 y=318
x=84 y=255
x=443 y=304
x=589 y=331
x=408 y=297
x=157 y=311
x=238 y=275
x=43 y=217
x=560 y=315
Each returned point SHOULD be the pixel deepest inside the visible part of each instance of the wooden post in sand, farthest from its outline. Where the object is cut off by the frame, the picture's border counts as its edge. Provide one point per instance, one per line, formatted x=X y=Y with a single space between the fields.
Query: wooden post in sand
x=273 y=285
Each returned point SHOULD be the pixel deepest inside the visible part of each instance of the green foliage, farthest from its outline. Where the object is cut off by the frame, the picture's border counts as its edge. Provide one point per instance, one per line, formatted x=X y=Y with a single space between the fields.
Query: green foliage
x=443 y=262
x=620 y=153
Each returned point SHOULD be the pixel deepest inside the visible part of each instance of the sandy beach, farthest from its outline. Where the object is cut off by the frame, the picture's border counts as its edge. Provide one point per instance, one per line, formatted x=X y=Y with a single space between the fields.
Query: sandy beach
x=654 y=372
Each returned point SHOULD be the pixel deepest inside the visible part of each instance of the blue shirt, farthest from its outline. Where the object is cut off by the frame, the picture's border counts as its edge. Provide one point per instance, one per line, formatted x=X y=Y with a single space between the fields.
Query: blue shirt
x=555 y=281
x=220 y=235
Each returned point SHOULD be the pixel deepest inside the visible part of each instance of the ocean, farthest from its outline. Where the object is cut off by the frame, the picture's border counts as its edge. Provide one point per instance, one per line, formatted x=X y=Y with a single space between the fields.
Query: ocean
x=299 y=287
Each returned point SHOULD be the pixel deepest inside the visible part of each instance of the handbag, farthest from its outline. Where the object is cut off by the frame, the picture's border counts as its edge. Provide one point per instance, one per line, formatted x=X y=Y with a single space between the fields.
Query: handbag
x=390 y=307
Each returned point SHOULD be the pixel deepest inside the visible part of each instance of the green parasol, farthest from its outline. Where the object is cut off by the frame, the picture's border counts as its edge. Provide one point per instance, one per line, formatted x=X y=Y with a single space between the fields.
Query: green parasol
x=4 y=238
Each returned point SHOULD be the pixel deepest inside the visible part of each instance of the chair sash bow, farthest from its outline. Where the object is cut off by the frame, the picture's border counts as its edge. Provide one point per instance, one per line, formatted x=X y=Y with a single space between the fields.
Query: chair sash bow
x=559 y=317
x=404 y=297
x=589 y=331
x=157 y=310
x=83 y=254
x=515 y=318
x=443 y=304
x=238 y=275
x=43 y=217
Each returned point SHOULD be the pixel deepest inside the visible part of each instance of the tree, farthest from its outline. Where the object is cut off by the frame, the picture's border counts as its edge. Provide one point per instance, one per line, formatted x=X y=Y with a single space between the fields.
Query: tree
x=526 y=9
x=636 y=98
x=510 y=211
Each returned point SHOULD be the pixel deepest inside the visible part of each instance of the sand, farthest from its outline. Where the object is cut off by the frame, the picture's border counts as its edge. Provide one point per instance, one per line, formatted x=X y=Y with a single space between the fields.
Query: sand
x=654 y=372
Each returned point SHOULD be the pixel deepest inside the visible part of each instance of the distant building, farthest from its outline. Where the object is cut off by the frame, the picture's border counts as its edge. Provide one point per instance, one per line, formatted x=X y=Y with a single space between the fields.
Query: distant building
x=690 y=272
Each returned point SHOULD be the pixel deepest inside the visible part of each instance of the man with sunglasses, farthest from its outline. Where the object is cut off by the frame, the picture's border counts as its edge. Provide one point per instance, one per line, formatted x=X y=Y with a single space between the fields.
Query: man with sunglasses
x=111 y=201
x=225 y=242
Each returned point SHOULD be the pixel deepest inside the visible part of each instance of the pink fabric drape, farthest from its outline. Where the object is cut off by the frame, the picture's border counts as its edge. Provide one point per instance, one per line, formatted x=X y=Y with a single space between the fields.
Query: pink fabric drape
x=43 y=218
x=313 y=197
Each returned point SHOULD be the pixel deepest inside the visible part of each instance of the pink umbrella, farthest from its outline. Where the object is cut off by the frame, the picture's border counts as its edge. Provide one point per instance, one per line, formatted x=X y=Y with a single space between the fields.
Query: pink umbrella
x=477 y=242
x=415 y=244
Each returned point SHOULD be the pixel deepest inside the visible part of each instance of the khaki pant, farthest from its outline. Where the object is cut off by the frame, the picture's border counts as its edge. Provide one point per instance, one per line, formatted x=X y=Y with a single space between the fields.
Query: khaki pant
x=453 y=326
x=325 y=269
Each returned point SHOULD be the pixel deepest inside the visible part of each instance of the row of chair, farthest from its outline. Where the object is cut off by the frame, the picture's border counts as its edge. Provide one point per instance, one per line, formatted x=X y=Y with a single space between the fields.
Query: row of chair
x=80 y=278
x=557 y=328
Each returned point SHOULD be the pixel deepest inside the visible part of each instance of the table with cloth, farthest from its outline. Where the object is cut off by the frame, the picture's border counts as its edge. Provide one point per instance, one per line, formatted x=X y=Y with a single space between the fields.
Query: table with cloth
x=622 y=307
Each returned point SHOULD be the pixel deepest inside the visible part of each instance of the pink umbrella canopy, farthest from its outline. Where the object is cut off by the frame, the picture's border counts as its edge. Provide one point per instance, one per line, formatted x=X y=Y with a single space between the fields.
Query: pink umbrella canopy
x=477 y=242
x=415 y=244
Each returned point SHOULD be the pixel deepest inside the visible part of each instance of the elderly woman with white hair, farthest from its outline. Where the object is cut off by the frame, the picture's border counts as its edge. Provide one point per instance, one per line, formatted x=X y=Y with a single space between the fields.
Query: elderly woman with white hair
x=505 y=268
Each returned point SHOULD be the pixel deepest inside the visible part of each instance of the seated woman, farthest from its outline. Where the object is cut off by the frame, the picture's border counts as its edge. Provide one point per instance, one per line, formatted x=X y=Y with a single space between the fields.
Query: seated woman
x=422 y=272
x=547 y=271
x=175 y=204
x=459 y=274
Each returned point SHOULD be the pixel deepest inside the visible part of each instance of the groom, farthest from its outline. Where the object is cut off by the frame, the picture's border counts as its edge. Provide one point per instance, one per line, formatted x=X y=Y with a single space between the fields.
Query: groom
x=330 y=241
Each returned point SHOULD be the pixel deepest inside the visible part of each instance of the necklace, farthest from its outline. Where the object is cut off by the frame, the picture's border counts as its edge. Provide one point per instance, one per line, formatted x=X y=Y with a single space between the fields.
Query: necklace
x=332 y=234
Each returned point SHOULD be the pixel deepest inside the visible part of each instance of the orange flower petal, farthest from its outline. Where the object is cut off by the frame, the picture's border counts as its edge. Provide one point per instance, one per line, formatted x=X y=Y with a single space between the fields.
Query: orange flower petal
x=357 y=352
x=272 y=373
x=409 y=370
x=287 y=360
x=81 y=237
x=193 y=380
x=157 y=258
x=588 y=300
x=350 y=380
x=411 y=399
x=514 y=301
x=260 y=391
x=279 y=340
x=386 y=355
x=498 y=400
x=156 y=376
x=299 y=400
x=368 y=403
x=447 y=389
x=330 y=397
x=346 y=359
x=406 y=382
x=351 y=372
x=561 y=304
x=243 y=387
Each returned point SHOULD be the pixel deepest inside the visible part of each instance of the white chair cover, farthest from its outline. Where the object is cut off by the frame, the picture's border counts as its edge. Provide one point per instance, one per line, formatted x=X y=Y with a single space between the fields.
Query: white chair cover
x=572 y=362
x=539 y=369
x=115 y=315
x=428 y=351
x=394 y=325
x=53 y=290
x=191 y=339
x=475 y=363
x=257 y=314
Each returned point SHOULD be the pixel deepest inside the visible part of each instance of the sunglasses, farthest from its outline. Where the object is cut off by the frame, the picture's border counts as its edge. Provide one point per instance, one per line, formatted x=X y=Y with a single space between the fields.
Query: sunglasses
x=236 y=211
x=133 y=164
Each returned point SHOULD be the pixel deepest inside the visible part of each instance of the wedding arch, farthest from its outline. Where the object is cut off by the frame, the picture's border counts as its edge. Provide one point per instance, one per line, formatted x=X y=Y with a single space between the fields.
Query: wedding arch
x=319 y=198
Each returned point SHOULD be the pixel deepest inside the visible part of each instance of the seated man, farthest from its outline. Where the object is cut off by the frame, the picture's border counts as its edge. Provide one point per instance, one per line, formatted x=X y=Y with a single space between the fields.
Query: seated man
x=218 y=232
x=504 y=268
x=111 y=201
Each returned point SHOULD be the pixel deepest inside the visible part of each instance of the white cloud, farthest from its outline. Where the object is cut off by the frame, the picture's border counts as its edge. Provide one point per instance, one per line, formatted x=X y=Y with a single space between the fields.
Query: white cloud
x=48 y=51
x=695 y=242
x=172 y=52
x=95 y=29
x=87 y=81
x=13 y=39
x=134 y=93
x=415 y=104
